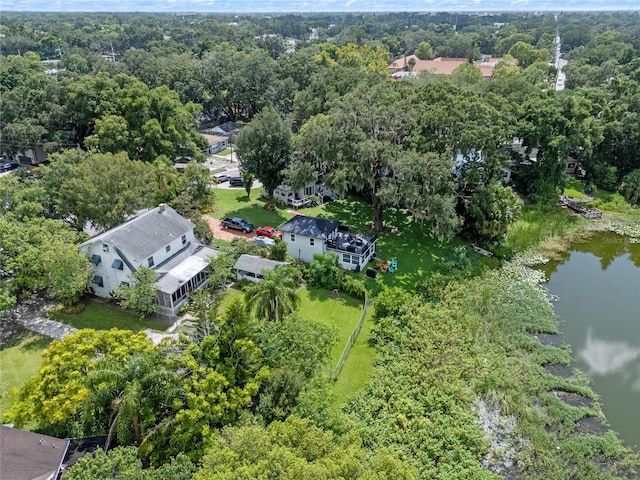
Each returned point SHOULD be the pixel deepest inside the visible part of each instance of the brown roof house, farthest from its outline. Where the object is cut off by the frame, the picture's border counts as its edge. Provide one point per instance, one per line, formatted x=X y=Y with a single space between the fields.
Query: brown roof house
x=30 y=456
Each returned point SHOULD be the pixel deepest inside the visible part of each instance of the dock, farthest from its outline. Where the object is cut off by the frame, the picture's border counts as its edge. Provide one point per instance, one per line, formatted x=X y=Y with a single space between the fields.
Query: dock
x=576 y=205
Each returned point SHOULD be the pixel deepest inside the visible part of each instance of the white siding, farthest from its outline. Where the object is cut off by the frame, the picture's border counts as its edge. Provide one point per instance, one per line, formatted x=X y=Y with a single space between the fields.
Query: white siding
x=111 y=277
x=301 y=248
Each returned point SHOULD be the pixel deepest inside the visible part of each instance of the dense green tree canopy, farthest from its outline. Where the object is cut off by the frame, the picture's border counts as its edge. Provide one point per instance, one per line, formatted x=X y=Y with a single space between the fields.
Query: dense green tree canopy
x=100 y=189
x=264 y=149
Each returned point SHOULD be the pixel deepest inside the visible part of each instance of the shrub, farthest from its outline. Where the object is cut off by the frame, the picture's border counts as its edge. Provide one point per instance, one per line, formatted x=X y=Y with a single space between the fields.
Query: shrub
x=353 y=286
x=324 y=271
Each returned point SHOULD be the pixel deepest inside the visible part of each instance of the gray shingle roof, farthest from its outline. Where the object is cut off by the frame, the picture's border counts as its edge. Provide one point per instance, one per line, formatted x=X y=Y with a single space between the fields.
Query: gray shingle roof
x=309 y=226
x=255 y=264
x=27 y=455
x=142 y=236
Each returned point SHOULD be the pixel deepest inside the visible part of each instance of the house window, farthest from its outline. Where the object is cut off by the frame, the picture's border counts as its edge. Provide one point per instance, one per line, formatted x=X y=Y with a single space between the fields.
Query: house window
x=168 y=249
x=98 y=281
x=308 y=191
x=293 y=237
x=117 y=264
x=105 y=247
x=151 y=262
x=346 y=258
x=571 y=165
x=124 y=284
x=184 y=239
x=96 y=259
x=312 y=241
x=355 y=259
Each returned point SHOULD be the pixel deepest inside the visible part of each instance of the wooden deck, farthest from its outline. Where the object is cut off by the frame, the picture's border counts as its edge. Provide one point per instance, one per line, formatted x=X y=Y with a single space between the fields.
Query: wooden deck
x=576 y=205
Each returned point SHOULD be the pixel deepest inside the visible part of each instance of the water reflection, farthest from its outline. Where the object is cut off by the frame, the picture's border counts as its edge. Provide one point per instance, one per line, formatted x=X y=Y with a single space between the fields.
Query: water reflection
x=607 y=356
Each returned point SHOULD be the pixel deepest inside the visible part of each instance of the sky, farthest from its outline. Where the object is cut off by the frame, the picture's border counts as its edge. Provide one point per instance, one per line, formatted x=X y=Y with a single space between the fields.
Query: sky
x=308 y=6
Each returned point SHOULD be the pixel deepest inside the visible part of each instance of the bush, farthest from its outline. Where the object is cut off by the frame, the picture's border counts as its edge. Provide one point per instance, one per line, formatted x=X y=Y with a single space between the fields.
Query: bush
x=278 y=251
x=324 y=271
x=353 y=287
x=202 y=229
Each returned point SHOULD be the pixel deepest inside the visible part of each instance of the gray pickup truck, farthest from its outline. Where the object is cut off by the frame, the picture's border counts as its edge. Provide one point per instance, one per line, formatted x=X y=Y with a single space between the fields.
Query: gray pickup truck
x=237 y=224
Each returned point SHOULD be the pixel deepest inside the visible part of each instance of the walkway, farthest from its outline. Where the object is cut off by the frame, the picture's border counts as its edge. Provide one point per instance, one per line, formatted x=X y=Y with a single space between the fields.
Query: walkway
x=29 y=314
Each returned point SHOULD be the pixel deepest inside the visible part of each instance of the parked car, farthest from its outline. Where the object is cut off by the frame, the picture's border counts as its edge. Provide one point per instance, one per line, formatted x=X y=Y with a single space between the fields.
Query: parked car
x=263 y=241
x=222 y=178
x=183 y=159
x=236 y=182
x=8 y=166
x=269 y=232
x=237 y=223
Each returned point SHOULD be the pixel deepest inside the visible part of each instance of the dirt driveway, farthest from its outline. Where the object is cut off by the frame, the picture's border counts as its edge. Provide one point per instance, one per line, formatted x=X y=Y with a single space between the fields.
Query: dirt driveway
x=223 y=234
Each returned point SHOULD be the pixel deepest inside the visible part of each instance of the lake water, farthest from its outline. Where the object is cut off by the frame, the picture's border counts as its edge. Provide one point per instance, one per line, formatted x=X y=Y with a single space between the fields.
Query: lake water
x=598 y=285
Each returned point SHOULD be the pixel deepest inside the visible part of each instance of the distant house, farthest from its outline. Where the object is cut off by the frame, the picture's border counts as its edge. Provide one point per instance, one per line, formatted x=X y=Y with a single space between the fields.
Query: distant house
x=524 y=157
x=26 y=455
x=307 y=196
x=308 y=236
x=215 y=143
x=31 y=156
x=227 y=128
x=252 y=267
x=160 y=239
x=437 y=66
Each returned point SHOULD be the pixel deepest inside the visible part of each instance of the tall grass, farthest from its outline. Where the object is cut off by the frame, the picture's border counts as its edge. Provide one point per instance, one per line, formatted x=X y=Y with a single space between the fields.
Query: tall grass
x=536 y=225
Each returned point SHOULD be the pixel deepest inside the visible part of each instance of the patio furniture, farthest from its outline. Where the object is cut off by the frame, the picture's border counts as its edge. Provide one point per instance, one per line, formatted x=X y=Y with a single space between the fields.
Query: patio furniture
x=385 y=267
x=378 y=263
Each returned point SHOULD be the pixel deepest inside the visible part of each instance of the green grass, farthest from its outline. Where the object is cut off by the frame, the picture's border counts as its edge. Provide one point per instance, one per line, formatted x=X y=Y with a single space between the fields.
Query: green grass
x=102 y=316
x=19 y=360
x=343 y=314
x=233 y=202
x=222 y=153
x=316 y=304
x=359 y=366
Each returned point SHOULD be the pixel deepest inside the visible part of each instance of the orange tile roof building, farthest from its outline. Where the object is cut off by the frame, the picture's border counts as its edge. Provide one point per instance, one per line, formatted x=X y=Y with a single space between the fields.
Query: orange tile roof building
x=438 y=66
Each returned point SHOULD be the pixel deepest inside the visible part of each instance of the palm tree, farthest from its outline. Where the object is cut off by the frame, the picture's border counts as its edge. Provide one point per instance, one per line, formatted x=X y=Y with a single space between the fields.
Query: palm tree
x=166 y=178
x=135 y=395
x=275 y=295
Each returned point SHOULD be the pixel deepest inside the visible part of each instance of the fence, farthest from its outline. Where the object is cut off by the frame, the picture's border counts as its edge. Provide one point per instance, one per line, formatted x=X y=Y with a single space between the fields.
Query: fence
x=333 y=373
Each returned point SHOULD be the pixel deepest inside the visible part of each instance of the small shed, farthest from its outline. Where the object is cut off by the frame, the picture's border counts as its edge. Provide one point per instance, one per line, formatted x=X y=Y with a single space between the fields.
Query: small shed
x=251 y=267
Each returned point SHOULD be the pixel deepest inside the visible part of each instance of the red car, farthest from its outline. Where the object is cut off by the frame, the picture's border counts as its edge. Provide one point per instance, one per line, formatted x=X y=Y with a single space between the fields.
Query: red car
x=269 y=232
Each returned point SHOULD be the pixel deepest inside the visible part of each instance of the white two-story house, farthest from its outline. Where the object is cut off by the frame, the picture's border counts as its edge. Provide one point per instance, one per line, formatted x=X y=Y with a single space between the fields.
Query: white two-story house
x=160 y=239
x=308 y=236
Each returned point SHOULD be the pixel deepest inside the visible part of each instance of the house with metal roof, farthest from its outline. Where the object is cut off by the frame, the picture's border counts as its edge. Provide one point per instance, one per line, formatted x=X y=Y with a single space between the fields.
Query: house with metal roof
x=252 y=267
x=160 y=239
x=309 y=236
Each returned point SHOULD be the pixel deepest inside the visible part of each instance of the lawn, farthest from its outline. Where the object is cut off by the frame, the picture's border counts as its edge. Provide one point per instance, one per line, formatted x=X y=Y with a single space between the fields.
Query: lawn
x=418 y=253
x=343 y=314
x=359 y=365
x=102 y=316
x=19 y=361
x=316 y=304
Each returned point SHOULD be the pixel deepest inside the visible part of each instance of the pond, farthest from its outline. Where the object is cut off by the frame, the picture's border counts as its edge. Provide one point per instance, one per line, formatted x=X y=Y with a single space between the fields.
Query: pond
x=598 y=286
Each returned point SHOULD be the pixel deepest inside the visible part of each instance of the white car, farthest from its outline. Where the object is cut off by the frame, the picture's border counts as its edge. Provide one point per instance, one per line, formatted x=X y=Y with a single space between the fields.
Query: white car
x=264 y=241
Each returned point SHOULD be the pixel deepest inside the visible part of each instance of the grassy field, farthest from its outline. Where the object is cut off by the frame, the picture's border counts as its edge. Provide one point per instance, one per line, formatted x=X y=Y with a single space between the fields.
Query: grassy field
x=343 y=314
x=359 y=365
x=102 y=316
x=316 y=304
x=19 y=361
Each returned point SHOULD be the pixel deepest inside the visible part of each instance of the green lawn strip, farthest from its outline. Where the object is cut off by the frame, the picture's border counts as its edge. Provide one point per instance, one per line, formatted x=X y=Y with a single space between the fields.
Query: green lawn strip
x=222 y=153
x=359 y=365
x=233 y=202
x=316 y=304
x=19 y=362
x=343 y=314
x=101 y=316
